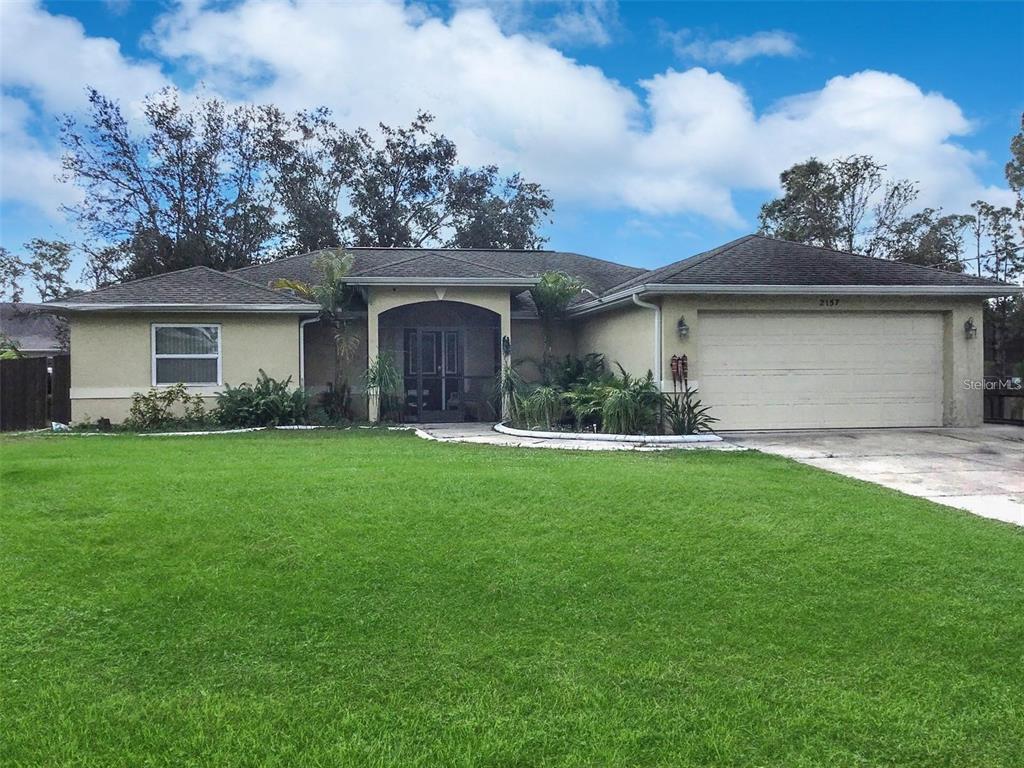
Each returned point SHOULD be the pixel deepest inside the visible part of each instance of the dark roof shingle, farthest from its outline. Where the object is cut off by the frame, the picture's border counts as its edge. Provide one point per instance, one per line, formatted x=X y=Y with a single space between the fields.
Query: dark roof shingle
x=760 y=260
x=597 y=274
x=32 y=327
x=193 y=286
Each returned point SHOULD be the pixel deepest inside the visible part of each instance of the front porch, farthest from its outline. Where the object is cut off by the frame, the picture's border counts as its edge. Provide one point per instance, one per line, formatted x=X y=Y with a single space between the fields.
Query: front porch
x=446 y=345
x=448 y=355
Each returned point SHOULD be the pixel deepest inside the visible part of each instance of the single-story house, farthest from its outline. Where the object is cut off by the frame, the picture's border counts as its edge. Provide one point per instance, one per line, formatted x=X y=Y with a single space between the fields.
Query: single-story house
x=776 y=335
x=33 y=328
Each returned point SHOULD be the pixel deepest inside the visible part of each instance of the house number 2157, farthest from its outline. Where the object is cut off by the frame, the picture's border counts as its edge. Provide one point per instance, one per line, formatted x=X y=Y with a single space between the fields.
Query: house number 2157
x=828 y=302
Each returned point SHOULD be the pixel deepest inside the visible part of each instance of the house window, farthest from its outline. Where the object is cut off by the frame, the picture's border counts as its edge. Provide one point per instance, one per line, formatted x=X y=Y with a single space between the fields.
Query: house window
x=189 y=354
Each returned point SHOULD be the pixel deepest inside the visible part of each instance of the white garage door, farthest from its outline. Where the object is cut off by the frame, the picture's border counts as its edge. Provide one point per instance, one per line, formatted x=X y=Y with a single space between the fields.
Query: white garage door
x=799 y=370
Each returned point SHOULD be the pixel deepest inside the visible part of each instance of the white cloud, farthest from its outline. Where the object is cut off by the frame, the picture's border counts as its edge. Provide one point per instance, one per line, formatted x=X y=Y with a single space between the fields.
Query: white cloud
x=588 y=23
x=680 y=142
x=575 y=23
x=46 y=61
x=28 y=170
x=696 y=46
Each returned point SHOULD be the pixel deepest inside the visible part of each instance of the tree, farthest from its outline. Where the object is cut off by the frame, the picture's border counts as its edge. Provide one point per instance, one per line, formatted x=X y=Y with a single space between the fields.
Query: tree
x=12 y=271
x=49 y=265
x=928 y=239
x=310 y=163
x=848 y=203
x=1015 y=173
x=552 y=295
x=104 y=265
x=410 y=192
x=190 y=192
x=808 y=211
x=334 y=295
x=506 y=214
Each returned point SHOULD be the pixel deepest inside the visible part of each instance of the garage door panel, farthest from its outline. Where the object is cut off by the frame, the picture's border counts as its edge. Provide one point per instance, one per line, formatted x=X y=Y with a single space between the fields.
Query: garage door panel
x=802 y=370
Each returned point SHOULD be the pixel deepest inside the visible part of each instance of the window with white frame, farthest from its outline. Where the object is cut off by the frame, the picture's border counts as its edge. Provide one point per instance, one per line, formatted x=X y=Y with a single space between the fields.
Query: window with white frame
x=189 y=354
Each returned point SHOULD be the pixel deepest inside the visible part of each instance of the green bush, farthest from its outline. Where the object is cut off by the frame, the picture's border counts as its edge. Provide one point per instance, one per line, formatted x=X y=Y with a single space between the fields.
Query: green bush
x=267 y=403
x=544 y=407
x=684 y=414
x=166 y=407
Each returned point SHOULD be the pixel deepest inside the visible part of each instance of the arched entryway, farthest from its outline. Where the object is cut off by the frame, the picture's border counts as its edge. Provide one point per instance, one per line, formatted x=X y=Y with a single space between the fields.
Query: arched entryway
x=449 y=354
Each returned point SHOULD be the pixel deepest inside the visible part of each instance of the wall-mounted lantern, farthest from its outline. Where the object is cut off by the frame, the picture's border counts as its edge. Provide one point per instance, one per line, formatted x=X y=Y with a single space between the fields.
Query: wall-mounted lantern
x=682 y=328
x=970 y=329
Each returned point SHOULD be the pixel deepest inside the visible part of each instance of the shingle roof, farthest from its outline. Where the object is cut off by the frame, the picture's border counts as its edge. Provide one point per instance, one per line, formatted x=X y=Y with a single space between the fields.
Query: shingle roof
x=194 y=286
x=760 y=260
x=32 y=327
x=752 y=260
x=399 y=263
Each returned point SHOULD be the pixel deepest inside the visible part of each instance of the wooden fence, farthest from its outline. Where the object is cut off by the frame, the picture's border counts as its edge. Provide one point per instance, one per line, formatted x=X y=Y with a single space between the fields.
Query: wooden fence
x=34 y=391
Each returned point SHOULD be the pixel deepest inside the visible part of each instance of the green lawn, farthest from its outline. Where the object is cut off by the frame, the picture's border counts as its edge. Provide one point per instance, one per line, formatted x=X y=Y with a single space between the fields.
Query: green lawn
x=350 y=599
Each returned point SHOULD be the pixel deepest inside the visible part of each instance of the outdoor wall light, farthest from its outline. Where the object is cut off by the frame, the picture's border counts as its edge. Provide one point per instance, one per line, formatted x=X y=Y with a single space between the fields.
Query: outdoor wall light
x=682 y=328
x=970 y=329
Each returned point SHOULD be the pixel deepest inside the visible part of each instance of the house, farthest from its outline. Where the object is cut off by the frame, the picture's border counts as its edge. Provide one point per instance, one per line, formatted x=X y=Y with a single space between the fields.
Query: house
x=776 y=335
x=33 y=329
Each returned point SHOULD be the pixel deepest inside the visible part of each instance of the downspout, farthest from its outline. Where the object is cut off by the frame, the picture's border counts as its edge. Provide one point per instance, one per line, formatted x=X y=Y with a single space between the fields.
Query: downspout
x=656 y=370
x=302 y=349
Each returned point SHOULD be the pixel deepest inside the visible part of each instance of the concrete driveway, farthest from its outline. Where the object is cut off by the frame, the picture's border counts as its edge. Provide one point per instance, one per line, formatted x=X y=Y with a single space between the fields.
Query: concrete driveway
x=980 y=469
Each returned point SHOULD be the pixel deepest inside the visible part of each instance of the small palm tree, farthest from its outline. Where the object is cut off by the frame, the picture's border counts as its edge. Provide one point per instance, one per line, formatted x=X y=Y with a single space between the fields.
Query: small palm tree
x=552 y=296
x=332 y=293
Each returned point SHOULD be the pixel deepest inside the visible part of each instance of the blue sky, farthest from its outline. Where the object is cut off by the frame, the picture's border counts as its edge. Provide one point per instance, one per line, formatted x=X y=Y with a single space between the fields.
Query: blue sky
x=660 y=128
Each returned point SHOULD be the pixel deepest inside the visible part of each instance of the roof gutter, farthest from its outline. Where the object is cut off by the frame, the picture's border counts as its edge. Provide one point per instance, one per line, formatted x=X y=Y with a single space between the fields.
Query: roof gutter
x=72 y=306
x=656 y=369
x=619 y=297
x=493 y=282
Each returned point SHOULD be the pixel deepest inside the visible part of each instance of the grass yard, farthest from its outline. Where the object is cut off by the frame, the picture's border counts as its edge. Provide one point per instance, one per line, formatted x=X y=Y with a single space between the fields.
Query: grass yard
x=358 y=599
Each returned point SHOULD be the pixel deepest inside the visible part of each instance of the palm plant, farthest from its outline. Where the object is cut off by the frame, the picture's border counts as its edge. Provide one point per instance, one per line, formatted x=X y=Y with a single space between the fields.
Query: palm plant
x=512 y=392
x=384 y=381
x=552 y=295
x=333 y=294
x=544 y=406
x=586 y=404
x=685 y=415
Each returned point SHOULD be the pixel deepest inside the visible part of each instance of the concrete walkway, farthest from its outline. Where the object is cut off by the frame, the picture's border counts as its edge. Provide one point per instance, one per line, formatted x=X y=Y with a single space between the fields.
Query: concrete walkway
x=979 y=469
x=484 y=434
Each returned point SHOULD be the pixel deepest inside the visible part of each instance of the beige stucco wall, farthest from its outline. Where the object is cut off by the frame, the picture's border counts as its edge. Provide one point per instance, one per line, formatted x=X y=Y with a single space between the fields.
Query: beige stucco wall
x=528 y=345
x=623 y=335
x=320 y=358
x=112 y=358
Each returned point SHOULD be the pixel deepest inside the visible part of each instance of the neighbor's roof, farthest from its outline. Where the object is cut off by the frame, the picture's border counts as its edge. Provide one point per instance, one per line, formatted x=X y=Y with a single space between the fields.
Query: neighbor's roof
x=756 y=260
x=31 y=326
x=196 y=288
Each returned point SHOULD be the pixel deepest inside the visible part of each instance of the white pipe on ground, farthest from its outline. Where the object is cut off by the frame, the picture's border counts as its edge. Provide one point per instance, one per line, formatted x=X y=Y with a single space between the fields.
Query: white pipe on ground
x=656 y=370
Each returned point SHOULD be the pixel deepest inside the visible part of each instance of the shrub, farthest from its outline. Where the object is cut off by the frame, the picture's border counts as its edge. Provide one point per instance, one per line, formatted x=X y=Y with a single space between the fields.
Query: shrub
x=571 y=372
x=684 y=414
x=632 y=406
x=267 y=403
x=385 y=381
x=512 y=390
x=586 y=404
x=544 y=407
x=335 y=404
x=164 y=407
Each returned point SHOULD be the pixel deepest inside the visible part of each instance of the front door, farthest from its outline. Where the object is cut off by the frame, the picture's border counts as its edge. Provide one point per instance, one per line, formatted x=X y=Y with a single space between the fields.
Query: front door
x=433 y=374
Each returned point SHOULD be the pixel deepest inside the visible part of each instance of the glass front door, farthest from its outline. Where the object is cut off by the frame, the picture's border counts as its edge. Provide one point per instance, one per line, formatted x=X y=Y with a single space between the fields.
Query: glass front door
x=433 y=374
